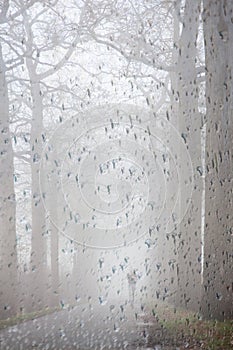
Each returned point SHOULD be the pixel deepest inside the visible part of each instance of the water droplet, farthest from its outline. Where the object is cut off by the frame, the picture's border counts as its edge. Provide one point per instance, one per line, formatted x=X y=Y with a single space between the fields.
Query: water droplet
x=116 y=327
x=218 y=296
x=101 y=262
x=102 y=301
x=36 y=158
x=200 y=170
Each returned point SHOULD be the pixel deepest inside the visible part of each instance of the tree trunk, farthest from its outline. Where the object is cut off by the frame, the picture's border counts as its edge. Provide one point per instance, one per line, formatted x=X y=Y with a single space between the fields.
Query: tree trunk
x=218 y=259
x=189 y=241
x=38 y=263
x=8 y=249
x=54 y=242
x=38 y=245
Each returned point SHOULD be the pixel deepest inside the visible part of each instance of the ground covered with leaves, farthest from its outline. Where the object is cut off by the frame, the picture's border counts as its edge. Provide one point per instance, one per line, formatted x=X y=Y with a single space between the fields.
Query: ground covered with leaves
x=183 y=329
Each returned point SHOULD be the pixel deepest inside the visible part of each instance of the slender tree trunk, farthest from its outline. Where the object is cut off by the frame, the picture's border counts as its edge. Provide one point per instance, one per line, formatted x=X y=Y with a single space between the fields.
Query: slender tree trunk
x=8 y=249
x=38 y=274
x=218 y=259
x=172 y=258
x=38 y=244
x=38 y=263
x=54 y=243
x=189 y=268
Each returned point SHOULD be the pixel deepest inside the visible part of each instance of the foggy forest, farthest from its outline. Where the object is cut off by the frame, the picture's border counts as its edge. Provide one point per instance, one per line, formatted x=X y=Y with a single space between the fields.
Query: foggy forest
x=116 y=174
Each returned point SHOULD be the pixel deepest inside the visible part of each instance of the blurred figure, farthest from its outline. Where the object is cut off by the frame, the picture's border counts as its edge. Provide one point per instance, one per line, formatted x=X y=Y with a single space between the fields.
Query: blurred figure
x=132 y=281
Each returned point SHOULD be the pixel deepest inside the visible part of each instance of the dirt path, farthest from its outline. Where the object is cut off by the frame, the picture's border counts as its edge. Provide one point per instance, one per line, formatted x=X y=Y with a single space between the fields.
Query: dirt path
x=85 y=327
x=110 y=326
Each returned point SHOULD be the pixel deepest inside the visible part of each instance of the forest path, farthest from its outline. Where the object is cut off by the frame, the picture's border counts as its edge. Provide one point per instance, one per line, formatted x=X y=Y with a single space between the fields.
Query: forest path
x=89 y=326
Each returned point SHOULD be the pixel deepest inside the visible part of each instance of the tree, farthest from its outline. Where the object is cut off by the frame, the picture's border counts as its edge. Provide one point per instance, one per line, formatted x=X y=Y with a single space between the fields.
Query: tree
x=33 y=53
x=218 y=275
x=8 y=245
x=8 y=254
x=43 y=72
x=189 y=124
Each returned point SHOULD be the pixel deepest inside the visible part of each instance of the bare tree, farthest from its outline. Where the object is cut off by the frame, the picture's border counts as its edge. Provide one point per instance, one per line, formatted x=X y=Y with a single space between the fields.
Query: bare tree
x=218 y=277
x=34 y=62
x=8 y=261
x=189 y=125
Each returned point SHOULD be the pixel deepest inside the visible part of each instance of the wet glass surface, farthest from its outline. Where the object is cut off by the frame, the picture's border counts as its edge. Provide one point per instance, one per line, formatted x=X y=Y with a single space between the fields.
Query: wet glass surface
x=116 y=174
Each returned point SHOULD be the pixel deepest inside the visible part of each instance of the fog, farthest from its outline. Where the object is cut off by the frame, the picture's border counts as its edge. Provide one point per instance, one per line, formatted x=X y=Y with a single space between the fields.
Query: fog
x=116 y=174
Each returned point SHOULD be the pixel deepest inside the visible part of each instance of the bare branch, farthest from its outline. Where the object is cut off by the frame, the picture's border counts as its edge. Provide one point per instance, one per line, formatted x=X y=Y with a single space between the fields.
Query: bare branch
x=60 y=64
x=3 y=13
x=132 y=57
x=17 y=63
